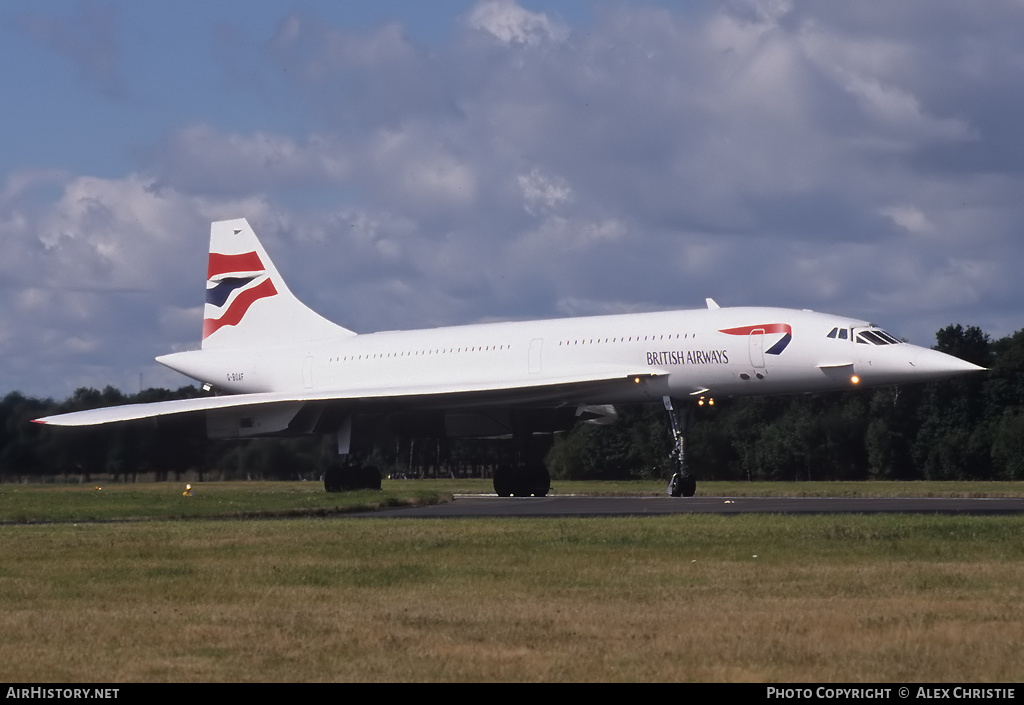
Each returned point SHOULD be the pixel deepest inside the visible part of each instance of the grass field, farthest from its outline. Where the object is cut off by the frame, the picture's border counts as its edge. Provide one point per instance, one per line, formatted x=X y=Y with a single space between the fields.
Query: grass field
x=899 y=598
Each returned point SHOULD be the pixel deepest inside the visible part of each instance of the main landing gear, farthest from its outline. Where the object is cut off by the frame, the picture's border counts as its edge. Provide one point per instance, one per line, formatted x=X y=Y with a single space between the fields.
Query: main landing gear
x=682 y=484
x=344 y=476
x=530 y=479
x=525 y=475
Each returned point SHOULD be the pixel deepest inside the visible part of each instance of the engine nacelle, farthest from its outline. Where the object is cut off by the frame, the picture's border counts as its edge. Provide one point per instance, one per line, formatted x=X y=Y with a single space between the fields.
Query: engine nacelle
x=597 y=414
x=250 y=423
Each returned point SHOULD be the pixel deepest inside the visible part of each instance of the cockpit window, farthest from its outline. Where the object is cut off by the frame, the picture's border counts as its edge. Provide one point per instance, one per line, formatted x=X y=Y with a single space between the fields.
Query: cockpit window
x=868 y=336
x=876 y=336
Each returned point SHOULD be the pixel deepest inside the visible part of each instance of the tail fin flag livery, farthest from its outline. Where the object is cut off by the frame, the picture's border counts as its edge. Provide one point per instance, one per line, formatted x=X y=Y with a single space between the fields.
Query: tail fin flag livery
x=280 y=368
x=247 y=301
x=234 y=283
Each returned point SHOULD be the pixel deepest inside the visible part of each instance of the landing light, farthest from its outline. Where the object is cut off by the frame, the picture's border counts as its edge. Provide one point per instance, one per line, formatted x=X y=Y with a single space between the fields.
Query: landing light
x=855 y=380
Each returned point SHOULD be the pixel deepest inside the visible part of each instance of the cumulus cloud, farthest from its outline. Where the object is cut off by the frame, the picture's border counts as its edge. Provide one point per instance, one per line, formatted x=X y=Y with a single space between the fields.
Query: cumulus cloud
x=543 y=192
x=509 y=23
x=909 y=218
x=86 y=279
x=200 y=159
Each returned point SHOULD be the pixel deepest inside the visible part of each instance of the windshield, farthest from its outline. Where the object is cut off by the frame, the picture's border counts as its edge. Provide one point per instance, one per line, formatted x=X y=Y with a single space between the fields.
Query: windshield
x=865 y=336
x=876 y=336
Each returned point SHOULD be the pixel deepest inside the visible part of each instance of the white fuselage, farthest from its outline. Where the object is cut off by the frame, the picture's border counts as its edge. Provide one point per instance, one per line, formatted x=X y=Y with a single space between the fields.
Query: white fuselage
x=684 y=352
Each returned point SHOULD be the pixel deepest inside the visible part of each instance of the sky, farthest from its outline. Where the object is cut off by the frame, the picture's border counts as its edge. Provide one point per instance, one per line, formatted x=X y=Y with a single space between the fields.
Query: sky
x=411 y=164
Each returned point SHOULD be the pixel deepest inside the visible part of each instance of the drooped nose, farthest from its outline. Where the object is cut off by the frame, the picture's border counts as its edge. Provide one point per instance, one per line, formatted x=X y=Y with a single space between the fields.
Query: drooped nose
x=932 y=364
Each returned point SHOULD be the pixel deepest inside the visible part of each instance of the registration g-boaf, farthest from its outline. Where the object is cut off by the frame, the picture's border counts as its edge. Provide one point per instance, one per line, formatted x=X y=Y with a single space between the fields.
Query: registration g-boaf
x=272 y=366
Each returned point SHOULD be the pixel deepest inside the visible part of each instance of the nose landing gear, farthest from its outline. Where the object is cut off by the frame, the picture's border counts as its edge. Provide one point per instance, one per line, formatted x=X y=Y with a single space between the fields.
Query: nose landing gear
x=682 y=484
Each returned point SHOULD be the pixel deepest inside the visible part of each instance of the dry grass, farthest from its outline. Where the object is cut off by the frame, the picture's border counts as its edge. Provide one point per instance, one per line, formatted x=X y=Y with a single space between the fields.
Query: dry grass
x=850 y=598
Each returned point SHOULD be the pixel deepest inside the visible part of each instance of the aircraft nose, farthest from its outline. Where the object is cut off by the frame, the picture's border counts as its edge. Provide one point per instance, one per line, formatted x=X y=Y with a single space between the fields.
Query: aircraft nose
x=932 y=364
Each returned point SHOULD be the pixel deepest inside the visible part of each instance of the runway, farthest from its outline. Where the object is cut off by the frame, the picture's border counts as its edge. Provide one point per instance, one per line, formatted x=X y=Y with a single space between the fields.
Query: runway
x=581 y=506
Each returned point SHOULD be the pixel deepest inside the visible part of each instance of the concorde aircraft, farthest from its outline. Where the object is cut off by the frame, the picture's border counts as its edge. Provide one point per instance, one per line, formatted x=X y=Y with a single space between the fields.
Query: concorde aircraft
x=279 y=368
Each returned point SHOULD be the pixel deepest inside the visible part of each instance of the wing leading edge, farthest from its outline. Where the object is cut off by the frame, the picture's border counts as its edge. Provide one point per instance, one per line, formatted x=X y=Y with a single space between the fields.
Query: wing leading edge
x=565 y=390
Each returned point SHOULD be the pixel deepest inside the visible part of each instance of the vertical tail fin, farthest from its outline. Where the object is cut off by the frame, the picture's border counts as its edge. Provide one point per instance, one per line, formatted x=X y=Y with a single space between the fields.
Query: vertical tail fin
x=247 y=302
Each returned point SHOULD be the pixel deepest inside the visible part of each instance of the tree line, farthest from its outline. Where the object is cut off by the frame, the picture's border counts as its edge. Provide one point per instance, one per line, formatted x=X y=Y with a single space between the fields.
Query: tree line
x=971 y=427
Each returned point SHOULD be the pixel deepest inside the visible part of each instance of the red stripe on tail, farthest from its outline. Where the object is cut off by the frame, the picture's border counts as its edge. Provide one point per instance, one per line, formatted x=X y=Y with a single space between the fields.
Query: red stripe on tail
x=222 y=264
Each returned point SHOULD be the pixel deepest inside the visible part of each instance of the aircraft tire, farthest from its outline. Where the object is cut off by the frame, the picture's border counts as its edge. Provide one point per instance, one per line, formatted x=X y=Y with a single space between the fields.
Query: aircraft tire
x=342 y=478
x=539 y=480
x=333 y=479
x=689 y=486
x=533 y=480
x=353 y=477
x=370 y=477
x=682 y=486
x=504 y=481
